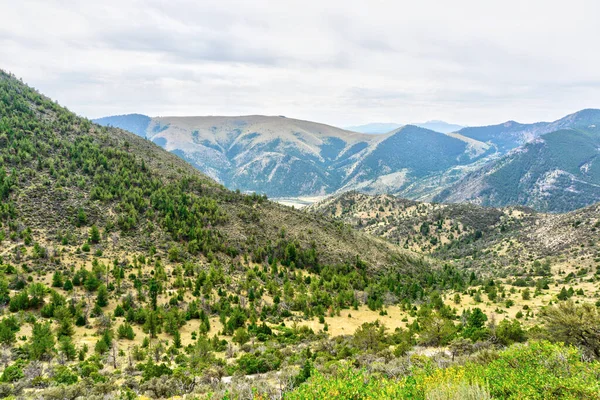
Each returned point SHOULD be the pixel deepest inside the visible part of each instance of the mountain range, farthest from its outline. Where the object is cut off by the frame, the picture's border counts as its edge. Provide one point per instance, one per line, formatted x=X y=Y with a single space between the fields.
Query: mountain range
x=288 y=157
x=498 y=165
x=557 y=170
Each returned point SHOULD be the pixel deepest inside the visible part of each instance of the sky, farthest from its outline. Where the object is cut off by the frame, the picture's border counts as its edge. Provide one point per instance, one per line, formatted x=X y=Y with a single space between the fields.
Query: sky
x=338 y=62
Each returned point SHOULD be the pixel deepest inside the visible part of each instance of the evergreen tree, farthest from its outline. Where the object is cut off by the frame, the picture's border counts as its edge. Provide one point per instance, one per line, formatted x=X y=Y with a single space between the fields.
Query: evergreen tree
x=102 y=297
x=67 y=348
x=94 y=234
x=41 y=345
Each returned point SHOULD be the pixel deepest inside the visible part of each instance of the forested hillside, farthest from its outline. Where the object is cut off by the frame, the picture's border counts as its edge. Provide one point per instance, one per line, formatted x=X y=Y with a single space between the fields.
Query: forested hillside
x=557 y=172
x=495 y=240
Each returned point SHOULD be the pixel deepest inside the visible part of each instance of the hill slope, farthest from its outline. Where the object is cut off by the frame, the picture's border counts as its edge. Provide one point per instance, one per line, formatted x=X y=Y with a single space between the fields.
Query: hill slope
x=469 y=234
x=60 y=174
x=557 y=172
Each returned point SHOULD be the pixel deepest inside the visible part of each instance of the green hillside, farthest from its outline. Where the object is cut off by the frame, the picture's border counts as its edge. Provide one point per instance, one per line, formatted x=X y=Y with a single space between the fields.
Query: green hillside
x=558 y=172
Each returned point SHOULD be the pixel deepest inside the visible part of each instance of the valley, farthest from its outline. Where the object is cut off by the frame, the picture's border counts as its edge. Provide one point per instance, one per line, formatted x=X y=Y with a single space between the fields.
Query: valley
x=299 y=200
x=126 y=272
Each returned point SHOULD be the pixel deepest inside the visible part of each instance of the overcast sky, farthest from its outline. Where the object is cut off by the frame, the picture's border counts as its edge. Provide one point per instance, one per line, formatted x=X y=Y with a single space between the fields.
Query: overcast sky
x=340 y=62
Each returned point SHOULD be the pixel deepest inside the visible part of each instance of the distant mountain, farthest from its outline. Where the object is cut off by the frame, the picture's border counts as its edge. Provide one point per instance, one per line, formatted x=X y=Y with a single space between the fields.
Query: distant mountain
x=285 y=157
x=439 y=126
x=505 y=164
x=134 y=123
x=381 y=127
x=404 y=159
x=375 y=127
x=557 y=171
x=511 y=134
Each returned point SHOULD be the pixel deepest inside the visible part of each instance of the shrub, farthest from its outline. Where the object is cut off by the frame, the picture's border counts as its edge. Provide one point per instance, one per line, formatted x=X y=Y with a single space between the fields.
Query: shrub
x=64 y=375
x=458 y=391
x=12 y=373
x=125 y=331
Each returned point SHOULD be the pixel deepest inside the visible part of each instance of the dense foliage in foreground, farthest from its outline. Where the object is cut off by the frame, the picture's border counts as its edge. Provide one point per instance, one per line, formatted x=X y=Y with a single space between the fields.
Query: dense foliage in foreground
x=538 y=370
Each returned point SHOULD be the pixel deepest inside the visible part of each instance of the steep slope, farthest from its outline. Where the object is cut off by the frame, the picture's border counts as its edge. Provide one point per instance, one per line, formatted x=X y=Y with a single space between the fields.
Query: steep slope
x=274 y=155
x=407 y=157
x=557 y=172
x=60 y=174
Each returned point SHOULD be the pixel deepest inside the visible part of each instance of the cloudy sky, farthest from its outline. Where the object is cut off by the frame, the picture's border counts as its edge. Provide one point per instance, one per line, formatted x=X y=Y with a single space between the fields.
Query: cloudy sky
x=340 y=62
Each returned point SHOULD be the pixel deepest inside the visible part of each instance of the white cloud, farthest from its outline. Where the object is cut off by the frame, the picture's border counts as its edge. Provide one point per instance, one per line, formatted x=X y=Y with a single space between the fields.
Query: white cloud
x=340 y=62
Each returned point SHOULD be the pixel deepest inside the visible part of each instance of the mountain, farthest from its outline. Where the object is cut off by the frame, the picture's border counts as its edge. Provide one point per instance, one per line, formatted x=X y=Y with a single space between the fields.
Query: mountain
x=439 y=126
x=134 y=123
x=382 y=127
x=511 y=134
x=374 y=127
x=408 y=156
x=557 y=172
x=285 y=157
x=497 y=165
x=274 y=155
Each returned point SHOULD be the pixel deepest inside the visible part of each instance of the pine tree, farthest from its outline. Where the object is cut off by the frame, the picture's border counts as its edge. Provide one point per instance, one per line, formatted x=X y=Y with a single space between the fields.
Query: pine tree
x=67 y=347
x=563 y=295
x=94 y=234
x=153 y=292
x=42 y=342
x=57 y=279
x=102 y=298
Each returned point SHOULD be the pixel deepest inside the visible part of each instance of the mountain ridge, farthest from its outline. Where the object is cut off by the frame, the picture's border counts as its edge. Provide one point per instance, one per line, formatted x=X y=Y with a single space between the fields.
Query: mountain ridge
x=556 y=172
x=385 y=127
x=287 y=157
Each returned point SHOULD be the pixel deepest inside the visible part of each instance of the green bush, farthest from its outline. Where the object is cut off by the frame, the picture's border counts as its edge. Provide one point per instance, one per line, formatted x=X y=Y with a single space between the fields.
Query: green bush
x=537 y=370
x=12 y=373
x=64 y=375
